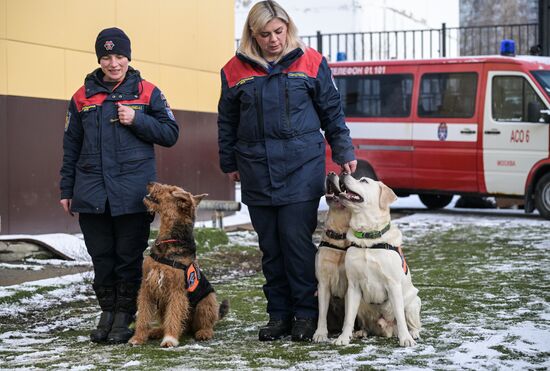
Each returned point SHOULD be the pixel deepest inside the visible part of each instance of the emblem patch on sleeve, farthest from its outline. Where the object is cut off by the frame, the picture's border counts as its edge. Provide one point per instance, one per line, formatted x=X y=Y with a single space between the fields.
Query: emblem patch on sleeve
x=164 y=100
x=170 y=114
x=168 y=110
x=67 y=120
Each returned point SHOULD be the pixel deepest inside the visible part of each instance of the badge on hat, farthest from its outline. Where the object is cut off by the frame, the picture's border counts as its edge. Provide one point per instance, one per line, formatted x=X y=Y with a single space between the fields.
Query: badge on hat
x=109 y=45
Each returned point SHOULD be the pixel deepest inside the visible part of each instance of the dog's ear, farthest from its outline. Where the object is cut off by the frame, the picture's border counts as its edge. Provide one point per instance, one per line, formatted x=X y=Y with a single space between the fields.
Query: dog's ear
x=387 y=196
x=198 y=198
x=180 y=195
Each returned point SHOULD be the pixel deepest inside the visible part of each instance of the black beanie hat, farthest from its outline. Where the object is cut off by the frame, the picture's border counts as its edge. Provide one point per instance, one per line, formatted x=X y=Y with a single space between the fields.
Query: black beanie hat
x=112 y=41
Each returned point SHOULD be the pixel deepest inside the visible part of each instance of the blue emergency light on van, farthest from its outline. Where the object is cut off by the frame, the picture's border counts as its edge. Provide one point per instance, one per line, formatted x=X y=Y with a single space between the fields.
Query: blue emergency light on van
x=508 y=48
x=341 y=56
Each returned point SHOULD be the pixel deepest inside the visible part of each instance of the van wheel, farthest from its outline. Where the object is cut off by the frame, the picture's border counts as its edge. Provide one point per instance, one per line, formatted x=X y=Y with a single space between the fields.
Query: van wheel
x=433 y=202
x=364 y=169
x=542 y=196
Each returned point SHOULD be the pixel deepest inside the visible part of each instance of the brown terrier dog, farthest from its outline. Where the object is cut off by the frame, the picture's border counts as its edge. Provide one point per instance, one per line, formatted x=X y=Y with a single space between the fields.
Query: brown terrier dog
x=173 y=289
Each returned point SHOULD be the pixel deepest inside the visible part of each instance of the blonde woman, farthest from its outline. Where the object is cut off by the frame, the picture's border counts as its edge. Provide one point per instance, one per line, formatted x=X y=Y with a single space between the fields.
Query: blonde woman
x=277 y=95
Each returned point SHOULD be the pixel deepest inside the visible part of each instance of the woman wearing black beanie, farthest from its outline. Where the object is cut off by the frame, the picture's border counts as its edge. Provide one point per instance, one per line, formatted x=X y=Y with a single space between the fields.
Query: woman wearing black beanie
x=112 y=124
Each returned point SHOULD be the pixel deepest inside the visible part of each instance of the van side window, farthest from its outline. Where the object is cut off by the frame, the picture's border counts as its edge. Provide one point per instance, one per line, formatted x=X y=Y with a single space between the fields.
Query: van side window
x=376 y=95
x=513 y=99
x=447 y=95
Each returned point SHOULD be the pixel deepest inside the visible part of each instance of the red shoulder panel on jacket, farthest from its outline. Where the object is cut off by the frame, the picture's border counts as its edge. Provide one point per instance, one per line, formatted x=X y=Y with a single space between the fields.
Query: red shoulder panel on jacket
x=145 y=92
x=308 y=63
x=235 y=70
x=145 y=95
x=81 y=101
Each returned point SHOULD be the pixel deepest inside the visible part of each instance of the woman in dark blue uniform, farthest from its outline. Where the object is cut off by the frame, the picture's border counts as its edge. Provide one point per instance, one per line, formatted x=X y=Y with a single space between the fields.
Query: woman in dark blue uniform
x=112 y=124
x=277 y=95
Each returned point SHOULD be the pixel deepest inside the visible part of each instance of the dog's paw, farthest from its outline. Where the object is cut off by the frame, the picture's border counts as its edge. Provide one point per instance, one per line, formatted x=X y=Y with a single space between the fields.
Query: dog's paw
x=320 y=336
x=359 y=334
x=407 y=341
x=169 y=342
x=415 y=334
x=136 y=340
x=204 y=334
x=342 y=340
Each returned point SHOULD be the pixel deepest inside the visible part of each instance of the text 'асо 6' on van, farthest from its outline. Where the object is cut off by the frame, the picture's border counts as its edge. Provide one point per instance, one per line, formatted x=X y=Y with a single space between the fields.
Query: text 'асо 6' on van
x=475 y=126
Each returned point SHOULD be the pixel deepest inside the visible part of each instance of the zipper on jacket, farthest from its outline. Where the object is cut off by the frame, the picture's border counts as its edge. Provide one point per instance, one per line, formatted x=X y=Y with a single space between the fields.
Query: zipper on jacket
x=97 y=122
x=259 y=113
x=287 y=104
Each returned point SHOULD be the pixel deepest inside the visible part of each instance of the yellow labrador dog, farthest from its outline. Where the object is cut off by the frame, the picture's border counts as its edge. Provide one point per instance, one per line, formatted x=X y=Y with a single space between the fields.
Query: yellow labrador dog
x=329 y=263
x=378 y=275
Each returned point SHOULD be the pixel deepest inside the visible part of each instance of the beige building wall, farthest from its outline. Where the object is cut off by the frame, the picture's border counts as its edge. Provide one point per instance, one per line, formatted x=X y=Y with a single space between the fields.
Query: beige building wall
x=47 y=46
x=47 y=49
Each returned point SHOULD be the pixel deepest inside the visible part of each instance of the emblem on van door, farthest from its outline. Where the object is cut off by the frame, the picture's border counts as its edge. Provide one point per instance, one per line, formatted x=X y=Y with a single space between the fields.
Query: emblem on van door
x=442 y=131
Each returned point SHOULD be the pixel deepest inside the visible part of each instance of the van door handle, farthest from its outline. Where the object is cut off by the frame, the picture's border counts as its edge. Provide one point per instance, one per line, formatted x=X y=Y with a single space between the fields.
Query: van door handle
x=467 y=131
x=492 y=131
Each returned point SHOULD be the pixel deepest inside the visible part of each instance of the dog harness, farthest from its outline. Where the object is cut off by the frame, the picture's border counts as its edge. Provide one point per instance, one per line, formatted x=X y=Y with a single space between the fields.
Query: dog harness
x=196 y=283
x=386 y=246
x=334 y=236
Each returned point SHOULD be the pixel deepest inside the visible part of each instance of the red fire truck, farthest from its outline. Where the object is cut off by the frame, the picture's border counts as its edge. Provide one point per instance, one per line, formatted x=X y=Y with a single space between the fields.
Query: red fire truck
x=476 y=126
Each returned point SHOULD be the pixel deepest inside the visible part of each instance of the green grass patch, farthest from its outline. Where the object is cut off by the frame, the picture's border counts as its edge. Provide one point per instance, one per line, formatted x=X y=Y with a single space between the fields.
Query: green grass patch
x=484 y=306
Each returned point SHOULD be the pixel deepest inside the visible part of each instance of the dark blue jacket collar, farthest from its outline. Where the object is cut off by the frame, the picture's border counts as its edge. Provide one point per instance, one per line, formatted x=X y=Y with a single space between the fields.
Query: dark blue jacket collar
x=94 y=83
x=283 y=63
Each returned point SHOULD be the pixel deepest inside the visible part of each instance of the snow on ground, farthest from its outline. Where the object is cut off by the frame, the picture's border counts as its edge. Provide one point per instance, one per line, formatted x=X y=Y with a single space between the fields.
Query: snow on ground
x=505 y=325
x=65 y=245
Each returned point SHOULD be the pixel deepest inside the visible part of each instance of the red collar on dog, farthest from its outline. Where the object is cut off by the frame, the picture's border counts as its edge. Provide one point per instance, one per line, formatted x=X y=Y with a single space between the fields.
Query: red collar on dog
x=158 y=243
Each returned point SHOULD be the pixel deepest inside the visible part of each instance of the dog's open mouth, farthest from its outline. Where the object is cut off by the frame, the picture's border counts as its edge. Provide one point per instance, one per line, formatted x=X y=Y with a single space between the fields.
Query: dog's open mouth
x=349 y=194
x=332 y=188
x=149 y=197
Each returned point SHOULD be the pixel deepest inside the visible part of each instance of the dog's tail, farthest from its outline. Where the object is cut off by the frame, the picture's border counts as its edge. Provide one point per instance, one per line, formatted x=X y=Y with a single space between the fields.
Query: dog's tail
x=224 y=309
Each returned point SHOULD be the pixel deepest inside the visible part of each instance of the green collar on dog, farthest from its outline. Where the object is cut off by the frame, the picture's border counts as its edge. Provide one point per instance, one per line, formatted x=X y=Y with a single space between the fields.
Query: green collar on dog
x=373 y=234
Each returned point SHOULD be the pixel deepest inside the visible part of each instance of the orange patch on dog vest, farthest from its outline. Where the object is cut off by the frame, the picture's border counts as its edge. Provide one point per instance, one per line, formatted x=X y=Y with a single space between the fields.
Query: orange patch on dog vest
x=192 y=278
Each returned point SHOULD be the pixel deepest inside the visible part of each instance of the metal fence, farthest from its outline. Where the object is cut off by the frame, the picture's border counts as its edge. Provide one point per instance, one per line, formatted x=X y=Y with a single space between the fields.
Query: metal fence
x=421 y=44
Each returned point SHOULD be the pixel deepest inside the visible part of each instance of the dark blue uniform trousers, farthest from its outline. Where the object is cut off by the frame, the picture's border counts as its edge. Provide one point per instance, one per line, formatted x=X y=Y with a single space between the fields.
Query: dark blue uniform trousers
x=288 y=262
x=116 y=245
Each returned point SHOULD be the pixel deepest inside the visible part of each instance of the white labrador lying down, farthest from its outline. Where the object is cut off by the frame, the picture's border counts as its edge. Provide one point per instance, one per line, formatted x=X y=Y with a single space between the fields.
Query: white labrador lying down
x=329 y=263
x=378 y=276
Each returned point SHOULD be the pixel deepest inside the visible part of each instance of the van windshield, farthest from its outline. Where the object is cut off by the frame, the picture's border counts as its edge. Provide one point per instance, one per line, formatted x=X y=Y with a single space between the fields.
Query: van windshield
x=543 y=77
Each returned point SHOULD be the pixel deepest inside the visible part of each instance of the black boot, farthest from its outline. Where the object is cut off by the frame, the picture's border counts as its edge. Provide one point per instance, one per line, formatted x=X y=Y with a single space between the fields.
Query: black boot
x=303 y=329
x=125 y=311
x=275 y=329
x=121 y=331
x=106 y=296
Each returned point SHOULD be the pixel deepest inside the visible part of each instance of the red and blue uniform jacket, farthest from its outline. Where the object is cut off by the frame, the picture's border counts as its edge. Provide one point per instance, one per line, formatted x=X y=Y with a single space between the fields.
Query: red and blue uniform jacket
x=269 y=125
x=104 y=160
